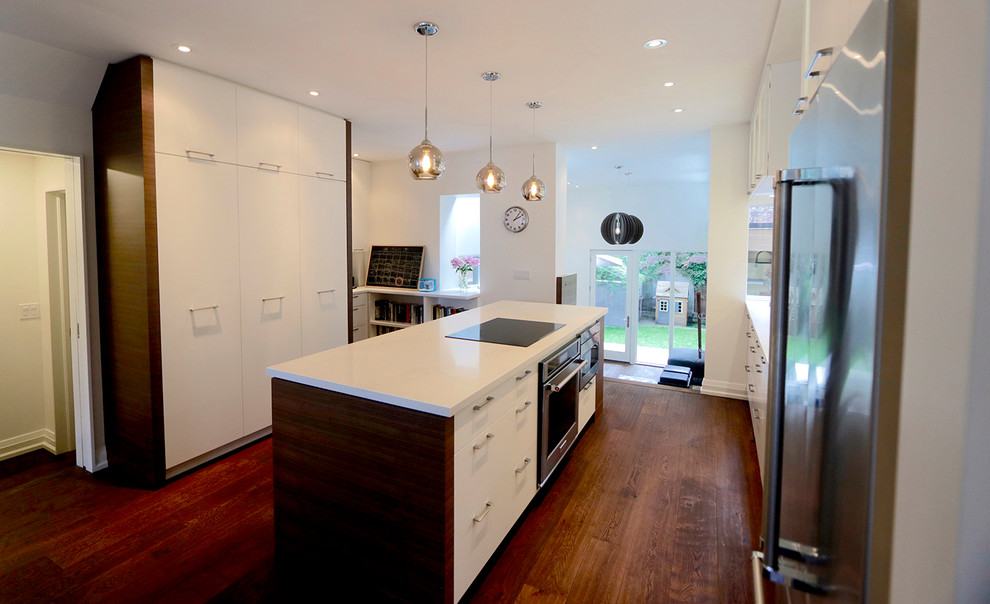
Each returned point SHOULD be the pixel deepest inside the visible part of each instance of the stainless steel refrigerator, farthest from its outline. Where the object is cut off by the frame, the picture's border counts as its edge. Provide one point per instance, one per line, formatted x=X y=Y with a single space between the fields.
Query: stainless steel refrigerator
x=821 y=501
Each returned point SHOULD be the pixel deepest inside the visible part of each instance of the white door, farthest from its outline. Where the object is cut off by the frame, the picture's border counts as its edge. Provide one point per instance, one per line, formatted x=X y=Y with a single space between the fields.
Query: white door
x=267 y=131
x=195 y=114
x=324 y=295
x=199 y=297
x=269 y=273
x=610 y=272
x=322 y=144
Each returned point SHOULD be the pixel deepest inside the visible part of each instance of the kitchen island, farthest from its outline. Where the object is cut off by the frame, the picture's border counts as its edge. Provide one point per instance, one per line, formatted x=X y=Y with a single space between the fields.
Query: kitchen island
x=401 y=462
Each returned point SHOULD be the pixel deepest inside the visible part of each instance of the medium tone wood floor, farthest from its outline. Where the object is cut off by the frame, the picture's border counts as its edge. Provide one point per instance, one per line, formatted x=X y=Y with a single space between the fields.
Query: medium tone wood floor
x=660 y=502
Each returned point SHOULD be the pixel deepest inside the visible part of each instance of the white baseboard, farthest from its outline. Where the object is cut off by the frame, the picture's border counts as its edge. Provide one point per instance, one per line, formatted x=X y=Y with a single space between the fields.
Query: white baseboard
x=726 y=389
x=17 y=445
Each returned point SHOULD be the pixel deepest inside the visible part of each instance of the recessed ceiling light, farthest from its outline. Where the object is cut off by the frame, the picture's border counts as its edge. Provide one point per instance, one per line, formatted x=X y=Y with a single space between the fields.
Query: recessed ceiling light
x=594 y=147
x=669 y=84
x=655 y=43
x=314 y=93
x=181 y=48
x=678 y=110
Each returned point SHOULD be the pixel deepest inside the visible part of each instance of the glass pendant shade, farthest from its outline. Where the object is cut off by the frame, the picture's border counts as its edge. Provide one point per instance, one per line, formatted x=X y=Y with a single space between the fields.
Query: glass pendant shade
x=426 y=161
x=491 y=179
x=534 y=189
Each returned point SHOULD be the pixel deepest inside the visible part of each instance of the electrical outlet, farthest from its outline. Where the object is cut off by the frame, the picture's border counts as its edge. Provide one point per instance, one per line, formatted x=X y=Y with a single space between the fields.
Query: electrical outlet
x=29 y=311
x=520 y=275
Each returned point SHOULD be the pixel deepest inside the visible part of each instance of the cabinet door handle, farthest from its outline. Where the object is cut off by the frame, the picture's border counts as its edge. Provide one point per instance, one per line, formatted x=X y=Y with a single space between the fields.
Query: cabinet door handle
x=812 y=73
x=261 y=165
x=588 y=385
x=524 y=407
x=751 y=388
x=487 y=440
x=752 y=349
x=205 y=154
x=488 y=508
x=213 y=307
x=273 y=298
x=759 y=369
x=523 y=376
x=749 y=334
x=525 y=465
x=488 y=399
x=327 y=174
x=798 y=110
x=325 y=291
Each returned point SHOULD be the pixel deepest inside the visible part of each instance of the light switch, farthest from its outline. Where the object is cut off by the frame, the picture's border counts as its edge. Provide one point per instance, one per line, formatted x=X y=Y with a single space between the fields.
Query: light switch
x=520 y=275
x=29 y=311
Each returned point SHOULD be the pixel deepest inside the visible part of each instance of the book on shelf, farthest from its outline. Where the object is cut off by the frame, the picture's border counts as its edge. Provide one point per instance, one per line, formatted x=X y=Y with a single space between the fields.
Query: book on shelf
x=398 y=312
x=440 y=311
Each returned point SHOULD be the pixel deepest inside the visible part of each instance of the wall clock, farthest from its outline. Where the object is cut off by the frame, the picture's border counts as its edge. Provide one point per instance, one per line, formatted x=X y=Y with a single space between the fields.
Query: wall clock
x=515 y=219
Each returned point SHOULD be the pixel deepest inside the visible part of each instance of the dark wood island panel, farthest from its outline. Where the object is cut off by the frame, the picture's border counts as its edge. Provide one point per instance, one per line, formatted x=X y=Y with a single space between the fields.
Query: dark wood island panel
x=364 y=494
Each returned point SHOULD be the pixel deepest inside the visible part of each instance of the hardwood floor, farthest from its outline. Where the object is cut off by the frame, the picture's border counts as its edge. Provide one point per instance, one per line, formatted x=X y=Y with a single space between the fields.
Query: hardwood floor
x=660 y=502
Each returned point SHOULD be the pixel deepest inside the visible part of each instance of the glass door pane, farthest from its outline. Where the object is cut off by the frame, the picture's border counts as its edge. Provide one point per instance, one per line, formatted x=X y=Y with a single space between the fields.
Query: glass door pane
x=610 y=291
x=653 y=338
x=692 y=271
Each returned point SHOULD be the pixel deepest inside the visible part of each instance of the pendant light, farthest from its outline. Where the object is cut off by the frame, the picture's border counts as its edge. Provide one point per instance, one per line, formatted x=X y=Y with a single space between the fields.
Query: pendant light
x=534 y=189
x=491 y=178
x=426 y=161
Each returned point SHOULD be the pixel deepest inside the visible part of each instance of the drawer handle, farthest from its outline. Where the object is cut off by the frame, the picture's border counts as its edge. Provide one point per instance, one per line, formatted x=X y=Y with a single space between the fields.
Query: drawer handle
x=355 y=330
x=524 y=407
x=751 y=388
x=588 y=385
x=325 y=291
x=752 y=349
x=488 y=508
x=488 y=399
x=214 y=307
x=525 y=465
x=273 y=298
x=203 y=153
x=523 y=376
x=749 y=334
x=759 y=369
x=327 y=174
x=487 y=440
x=748 y=369
x=812 y=73
x=262 y=165
x=798 y=110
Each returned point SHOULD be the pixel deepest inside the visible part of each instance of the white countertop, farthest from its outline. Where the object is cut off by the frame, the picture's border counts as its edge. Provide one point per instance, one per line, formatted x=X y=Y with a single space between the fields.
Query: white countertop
x=419 y=368
x=759 y=312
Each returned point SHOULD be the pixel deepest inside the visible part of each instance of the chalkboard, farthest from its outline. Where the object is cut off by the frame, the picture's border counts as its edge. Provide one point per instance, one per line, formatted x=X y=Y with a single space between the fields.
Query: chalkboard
x=395 y=266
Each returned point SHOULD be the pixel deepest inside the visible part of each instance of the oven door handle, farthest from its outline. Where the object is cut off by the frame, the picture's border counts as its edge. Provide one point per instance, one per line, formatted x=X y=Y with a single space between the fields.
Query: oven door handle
x=559 y=382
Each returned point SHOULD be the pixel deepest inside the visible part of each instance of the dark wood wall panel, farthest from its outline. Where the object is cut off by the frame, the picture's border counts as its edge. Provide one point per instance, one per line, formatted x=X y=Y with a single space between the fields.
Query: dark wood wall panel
x=127 y=248
x=364 y=491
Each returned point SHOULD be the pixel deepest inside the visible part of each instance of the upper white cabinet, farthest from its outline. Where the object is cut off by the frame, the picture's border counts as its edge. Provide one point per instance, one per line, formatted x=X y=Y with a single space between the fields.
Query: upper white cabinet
x=325 y=295
x=772 y=123
x=316 y=158
x=194 y=114
x=828 y=24
x=267 y=131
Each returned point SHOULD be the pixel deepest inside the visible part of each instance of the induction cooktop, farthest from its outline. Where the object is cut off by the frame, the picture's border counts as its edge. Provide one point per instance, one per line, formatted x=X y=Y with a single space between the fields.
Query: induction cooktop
x=512 y=332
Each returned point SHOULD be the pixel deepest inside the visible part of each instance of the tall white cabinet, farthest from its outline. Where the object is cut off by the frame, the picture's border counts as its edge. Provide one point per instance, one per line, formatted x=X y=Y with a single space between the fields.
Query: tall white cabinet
x=242 y=238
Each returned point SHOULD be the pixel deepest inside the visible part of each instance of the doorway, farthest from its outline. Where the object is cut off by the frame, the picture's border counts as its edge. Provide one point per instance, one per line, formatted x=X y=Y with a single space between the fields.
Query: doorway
x=655 y=301
x=45 y=358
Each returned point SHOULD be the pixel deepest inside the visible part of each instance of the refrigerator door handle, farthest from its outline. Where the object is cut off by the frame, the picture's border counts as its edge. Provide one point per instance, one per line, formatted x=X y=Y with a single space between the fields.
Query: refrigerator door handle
x=838 y=178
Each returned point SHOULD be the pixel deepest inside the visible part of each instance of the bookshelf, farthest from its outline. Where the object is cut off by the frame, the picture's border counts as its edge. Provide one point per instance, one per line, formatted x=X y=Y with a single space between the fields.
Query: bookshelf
x=392 y=308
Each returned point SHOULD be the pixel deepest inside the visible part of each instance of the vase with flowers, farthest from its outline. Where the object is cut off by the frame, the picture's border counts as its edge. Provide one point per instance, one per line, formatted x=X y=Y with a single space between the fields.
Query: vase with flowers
x=464 y=267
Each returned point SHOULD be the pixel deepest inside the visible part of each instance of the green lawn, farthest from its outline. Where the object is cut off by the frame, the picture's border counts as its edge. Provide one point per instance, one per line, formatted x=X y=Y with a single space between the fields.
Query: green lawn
x=655 y=336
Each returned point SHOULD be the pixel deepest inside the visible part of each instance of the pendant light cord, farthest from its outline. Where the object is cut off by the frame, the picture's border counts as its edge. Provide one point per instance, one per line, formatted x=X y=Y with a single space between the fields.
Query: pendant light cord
x=534 y=141
x=426 y=92
x=491 y=97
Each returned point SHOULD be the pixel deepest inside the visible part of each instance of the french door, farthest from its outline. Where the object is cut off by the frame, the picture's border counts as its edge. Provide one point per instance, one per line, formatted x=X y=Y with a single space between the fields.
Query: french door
x=652 y=302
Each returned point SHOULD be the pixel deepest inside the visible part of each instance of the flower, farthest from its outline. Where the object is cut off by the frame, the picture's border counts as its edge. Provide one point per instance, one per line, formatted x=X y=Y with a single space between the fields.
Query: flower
x=463 y=264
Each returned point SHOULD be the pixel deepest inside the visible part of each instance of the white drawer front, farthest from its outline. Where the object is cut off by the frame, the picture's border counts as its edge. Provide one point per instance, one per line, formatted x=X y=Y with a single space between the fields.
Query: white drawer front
x=586 y=403
x=492 y=404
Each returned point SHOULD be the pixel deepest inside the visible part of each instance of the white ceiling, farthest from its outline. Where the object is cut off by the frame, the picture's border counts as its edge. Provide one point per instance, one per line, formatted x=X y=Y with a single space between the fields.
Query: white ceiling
x=584 y=60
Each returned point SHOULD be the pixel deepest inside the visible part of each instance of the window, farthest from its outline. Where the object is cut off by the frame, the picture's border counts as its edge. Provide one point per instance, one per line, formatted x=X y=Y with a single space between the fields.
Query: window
x=663 y=305
x=679 y=306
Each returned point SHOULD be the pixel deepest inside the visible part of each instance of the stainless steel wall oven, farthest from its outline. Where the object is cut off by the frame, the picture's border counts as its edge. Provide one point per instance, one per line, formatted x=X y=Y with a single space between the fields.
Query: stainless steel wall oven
x=560 y=385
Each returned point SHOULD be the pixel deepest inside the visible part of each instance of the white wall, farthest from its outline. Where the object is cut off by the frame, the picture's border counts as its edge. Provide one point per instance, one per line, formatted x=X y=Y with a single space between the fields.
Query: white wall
x=45 y=100
x=403 y=211
x=22 y=410
x=725 y=344
x=674 y=216
x=938 y=371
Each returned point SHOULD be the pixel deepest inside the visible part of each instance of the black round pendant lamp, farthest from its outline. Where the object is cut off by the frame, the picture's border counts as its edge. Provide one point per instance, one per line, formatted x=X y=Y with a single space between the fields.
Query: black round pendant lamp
x=620 y=228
